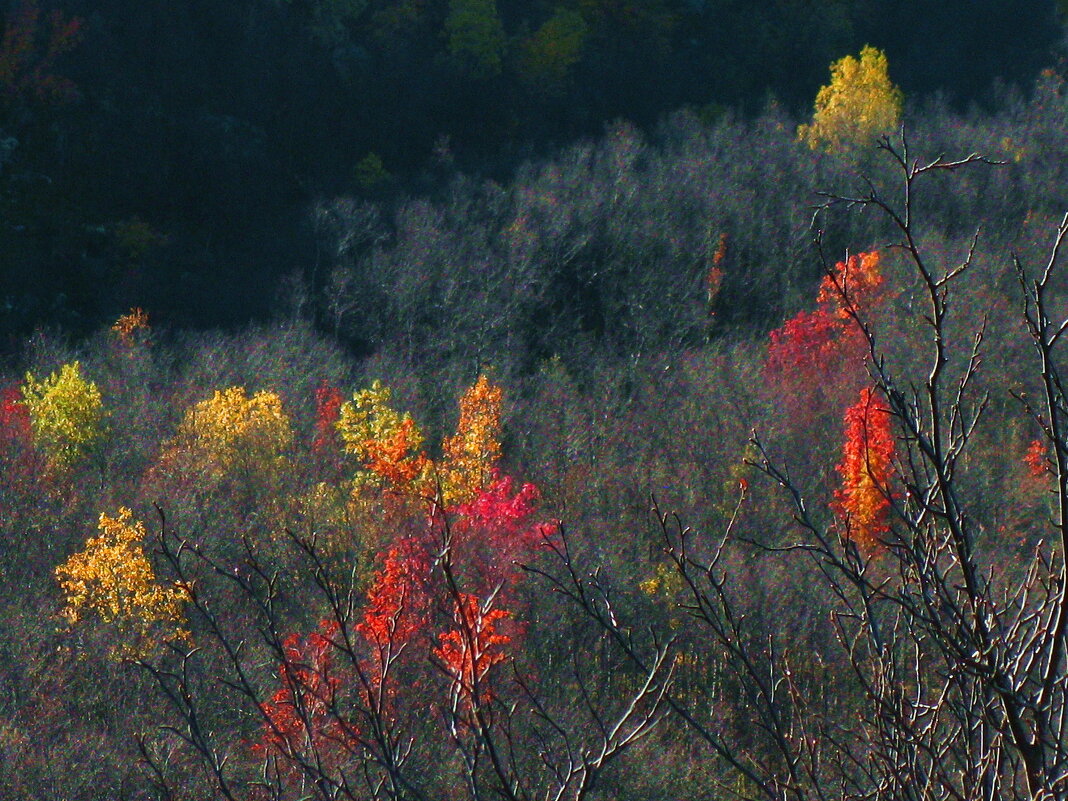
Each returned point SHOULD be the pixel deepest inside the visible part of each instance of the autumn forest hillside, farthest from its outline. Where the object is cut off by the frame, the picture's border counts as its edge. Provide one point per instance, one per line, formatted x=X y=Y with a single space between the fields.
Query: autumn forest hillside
x=442 y=416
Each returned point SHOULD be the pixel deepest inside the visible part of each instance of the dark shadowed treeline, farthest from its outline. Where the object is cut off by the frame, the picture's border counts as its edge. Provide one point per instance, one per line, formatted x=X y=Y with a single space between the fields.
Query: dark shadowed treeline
x=169 y=154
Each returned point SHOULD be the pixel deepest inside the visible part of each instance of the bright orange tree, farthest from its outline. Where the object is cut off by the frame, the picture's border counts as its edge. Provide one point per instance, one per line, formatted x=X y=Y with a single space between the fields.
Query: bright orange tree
x=862 y=503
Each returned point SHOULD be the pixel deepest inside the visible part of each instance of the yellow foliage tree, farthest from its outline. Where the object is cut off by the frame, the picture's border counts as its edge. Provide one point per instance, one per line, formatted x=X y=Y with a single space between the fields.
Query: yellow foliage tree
x=66 y=414
x=231 y=431
x=113 y=581
x=859 y=103
x=470 y=456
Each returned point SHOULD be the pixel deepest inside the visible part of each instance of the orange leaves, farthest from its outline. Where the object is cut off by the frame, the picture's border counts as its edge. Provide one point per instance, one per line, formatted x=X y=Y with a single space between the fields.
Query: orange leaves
x=131 y=327
x=385 y=442
x=388 y=446
x=397 y=604
x=862 y=504
x=394 y=458
x=468 y=651
x=1036 y=459
x=472 y=453
x=854 y=286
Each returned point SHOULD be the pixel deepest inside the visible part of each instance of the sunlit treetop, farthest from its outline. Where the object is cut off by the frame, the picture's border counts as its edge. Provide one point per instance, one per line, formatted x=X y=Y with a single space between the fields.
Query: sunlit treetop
x=113 y=582
x=859 y=104
x=818 y=355
x=66 y=414
x=232 y=430
x=385 y=443
x=862 y=504
x=470 y=456
x=854 y=286
x=131 y=327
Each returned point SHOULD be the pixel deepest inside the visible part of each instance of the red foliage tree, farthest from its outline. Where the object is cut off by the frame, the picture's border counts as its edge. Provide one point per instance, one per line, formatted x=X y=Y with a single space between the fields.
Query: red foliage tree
x=471 y=648
x=304 y=721
x=398 y=603
x=1036 y=459
x=862 y=504
x=325 y=441
x=816 y=359
x=494 y=530
x=14 y=418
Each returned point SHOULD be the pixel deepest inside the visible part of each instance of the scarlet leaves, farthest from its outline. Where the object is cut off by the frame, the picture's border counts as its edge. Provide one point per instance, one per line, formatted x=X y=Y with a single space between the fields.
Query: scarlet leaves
x=434 y=604
x=328 y=400
x=816 y=359
x=303 y=719
x=472 y=647
x=398 y=602
x=14 y=418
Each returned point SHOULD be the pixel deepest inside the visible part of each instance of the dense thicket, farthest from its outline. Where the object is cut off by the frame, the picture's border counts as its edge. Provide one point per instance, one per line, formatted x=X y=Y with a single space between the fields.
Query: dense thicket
x=177 y=165
x=619 y=296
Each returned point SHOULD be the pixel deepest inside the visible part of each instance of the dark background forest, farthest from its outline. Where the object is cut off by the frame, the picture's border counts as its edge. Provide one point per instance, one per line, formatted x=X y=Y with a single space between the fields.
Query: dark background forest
x=173 y=155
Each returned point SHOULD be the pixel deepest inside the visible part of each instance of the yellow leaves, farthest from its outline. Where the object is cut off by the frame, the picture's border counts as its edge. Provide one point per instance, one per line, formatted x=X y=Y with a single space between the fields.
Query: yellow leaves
x=859 y=103
x=471 y=454
x=113 y=581
x=66 y=414
x=231 y=430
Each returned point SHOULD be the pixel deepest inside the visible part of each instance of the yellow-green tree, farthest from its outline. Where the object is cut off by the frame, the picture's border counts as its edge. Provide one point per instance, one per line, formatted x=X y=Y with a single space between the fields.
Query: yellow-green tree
x=859 y=103
x=66 y=414
x=233 y=432
x=113 y=582
x=550 y=52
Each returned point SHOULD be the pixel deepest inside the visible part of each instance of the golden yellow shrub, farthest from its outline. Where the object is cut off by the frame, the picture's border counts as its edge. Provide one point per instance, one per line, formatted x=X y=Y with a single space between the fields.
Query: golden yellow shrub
x=113 y=582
